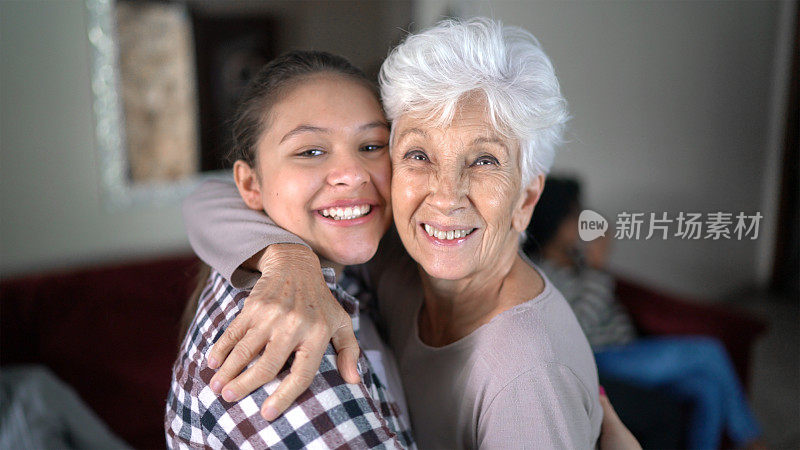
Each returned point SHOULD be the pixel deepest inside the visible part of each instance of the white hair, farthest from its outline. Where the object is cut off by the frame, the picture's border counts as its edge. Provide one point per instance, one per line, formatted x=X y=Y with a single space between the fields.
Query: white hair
x=431 y=72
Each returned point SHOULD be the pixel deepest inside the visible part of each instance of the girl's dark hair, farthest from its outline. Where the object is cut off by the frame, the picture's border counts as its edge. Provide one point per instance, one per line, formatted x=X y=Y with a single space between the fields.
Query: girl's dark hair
x=560 y=199
x=267 y=87
x=189 y=311
x=265 y=90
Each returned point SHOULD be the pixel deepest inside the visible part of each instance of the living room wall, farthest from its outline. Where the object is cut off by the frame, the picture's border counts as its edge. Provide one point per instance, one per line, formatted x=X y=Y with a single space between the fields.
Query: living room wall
x=673 y=107
x=50 y=198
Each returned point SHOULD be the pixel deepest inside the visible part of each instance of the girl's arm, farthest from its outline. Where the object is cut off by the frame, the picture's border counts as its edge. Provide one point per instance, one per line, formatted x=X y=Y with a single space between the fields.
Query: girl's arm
x=291 y=309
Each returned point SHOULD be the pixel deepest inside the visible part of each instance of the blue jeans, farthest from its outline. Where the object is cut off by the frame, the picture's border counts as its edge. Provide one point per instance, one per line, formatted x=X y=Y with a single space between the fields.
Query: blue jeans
x=698 y=370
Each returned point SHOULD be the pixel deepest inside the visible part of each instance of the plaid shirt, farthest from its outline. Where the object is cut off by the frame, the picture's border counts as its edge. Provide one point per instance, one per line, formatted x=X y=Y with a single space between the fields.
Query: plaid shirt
x=330 y=414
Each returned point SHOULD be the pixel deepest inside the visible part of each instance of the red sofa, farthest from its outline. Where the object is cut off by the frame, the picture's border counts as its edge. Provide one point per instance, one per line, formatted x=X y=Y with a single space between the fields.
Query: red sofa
x=657 y=419
x=109 y=332
x=112 y=333
x=658 y=313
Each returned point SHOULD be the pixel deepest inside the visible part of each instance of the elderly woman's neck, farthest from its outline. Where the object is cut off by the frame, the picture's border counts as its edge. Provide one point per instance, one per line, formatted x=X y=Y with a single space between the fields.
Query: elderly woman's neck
x=455 y=308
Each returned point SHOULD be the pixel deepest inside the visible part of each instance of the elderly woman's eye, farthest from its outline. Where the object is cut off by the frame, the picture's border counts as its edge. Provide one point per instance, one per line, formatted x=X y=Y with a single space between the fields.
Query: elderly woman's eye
x=417 y=155
x=310 y=153
x=486 y=160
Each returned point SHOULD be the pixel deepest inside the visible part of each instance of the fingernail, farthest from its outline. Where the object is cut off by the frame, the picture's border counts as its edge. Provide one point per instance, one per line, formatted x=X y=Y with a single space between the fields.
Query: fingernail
x=269 y=413
x=216 y=386
x=602 y=391
x=212 y=363
x=228 y=395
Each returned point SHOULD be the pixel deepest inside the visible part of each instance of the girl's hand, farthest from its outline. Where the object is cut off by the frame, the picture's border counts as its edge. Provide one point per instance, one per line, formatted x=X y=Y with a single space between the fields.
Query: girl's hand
x=290 y=309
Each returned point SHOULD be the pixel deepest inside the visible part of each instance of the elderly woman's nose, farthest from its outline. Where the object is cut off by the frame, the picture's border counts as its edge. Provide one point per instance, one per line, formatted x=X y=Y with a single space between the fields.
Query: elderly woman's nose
x=347 y=170
x=448 y=190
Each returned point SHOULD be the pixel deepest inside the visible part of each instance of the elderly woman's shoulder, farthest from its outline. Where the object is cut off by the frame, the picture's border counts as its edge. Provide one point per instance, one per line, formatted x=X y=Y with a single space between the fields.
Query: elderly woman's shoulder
x=541 y=332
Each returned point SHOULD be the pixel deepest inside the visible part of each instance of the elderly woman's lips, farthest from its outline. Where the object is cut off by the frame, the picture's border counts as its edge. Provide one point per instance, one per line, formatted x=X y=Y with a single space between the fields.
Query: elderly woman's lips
x=447 y=234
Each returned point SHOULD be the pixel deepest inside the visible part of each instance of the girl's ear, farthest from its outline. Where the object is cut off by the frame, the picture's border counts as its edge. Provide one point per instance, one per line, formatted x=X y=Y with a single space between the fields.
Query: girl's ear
x=521 y=216
x=247 y=182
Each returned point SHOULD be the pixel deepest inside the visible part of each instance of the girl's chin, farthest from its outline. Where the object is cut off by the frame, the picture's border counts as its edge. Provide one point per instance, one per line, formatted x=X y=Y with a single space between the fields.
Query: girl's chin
x=351 y=256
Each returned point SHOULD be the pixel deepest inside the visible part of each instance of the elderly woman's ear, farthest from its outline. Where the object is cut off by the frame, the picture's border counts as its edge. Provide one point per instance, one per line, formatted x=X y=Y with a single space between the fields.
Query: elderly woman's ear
x=527 y=201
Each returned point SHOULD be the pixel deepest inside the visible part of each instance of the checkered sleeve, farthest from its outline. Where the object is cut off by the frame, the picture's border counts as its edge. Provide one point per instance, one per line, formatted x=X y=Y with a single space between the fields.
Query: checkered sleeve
x=330 y=414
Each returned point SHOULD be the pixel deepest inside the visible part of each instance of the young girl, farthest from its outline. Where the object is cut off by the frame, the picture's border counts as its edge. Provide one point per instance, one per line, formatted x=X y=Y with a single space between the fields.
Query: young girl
x=311 y=151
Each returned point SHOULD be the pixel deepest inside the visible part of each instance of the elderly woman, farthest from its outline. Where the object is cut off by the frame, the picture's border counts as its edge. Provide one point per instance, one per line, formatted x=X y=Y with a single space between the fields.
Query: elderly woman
x=490 y=354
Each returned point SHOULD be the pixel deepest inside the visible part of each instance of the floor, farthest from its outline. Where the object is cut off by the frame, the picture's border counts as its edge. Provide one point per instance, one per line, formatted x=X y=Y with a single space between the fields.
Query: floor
x=775 y=389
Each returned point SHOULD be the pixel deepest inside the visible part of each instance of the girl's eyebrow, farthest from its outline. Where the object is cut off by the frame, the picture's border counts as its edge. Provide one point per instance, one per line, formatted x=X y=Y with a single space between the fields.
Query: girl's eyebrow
x=375 y=124
x=300 y=129
x=303 y=129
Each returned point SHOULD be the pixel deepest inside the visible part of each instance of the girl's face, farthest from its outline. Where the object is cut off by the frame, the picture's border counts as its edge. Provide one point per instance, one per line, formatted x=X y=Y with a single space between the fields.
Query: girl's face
x=324 y=169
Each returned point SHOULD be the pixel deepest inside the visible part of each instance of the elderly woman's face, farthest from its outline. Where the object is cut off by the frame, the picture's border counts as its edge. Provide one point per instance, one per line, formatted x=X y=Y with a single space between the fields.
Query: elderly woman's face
x=456 y=193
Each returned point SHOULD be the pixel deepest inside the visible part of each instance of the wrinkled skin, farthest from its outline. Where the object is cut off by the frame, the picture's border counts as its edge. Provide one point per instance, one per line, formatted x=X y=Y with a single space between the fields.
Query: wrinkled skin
x=463 y=176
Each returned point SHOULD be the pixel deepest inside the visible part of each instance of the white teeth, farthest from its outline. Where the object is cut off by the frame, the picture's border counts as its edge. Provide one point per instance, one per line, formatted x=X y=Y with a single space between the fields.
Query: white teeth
x=446 y=235
x=348 y=213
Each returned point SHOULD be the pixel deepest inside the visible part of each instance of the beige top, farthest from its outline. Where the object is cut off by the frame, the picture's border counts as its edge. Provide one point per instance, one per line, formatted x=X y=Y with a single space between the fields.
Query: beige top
x=527 y=379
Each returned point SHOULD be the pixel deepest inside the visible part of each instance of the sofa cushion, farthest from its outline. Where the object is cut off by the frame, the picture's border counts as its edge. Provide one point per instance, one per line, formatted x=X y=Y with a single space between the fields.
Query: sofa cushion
x=109 y=332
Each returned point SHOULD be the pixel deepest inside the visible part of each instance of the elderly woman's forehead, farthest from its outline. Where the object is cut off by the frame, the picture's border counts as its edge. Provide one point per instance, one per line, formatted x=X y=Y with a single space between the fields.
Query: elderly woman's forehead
x=473 y=126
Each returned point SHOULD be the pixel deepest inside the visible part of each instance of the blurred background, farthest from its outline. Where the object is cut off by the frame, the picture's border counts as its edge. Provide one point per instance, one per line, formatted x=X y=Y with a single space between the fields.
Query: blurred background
x=110 y=112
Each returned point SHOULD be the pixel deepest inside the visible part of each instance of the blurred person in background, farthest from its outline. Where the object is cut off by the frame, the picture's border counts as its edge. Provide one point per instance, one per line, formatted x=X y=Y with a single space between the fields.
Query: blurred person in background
x=695 y=368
